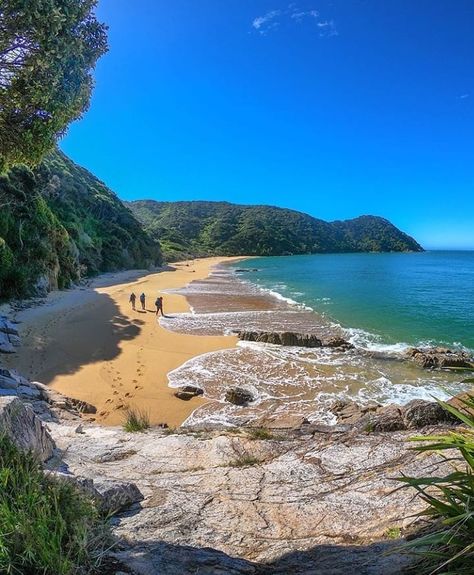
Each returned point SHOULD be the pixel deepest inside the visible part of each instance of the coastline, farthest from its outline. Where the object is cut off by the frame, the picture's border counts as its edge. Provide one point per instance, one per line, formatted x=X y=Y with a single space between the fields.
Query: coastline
x=88 y=343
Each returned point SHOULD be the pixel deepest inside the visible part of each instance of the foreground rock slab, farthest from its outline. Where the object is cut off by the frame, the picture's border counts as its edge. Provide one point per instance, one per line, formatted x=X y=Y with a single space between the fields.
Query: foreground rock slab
x=303 y=502
x=24 y=428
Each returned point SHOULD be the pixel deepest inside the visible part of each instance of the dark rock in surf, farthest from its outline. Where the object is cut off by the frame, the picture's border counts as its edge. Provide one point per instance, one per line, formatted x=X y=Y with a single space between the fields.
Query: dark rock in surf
x=439 y=358
x=239 y=396
x=338 y=342
x=285 y=338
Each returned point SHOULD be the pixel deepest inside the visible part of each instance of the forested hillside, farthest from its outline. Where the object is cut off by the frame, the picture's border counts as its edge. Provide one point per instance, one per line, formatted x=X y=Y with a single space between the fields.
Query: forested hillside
x=59 y=223
x=219 y=228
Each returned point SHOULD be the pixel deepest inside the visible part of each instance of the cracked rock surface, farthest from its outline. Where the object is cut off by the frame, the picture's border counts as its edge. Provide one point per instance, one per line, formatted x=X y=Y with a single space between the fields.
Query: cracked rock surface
x=220 y=502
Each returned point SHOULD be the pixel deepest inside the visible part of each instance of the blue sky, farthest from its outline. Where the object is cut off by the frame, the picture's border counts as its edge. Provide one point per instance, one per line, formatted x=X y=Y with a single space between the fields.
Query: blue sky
x=336 y=108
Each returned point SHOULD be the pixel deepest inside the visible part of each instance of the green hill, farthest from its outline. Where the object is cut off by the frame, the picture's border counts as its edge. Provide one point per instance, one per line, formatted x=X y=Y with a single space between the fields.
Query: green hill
x=220 y=228
x=59 y=223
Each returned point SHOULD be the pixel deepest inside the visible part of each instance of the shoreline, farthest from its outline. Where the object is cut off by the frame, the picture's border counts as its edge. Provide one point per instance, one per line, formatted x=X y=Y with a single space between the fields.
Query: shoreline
x=88 y=344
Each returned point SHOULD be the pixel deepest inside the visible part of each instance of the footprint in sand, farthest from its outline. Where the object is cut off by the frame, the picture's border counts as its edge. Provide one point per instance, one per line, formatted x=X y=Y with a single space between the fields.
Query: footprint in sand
x=134 y=380
x=139 y=387
x=115 y=392
x=109 y=401
x=128 y=394
x=103 y=413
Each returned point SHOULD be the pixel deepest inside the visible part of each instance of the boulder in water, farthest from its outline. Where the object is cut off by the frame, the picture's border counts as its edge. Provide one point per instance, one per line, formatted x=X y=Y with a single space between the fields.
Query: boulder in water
x=440 y=357
x=239 y=396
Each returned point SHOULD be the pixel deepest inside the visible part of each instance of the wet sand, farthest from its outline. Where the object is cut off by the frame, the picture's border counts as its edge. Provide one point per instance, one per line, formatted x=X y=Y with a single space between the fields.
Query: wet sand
x=89 y=344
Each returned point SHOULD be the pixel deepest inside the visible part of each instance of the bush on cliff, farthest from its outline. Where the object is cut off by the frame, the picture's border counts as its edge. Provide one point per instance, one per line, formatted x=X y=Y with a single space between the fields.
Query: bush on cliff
x=46 y=525
x=449 y=548
x=59 y=223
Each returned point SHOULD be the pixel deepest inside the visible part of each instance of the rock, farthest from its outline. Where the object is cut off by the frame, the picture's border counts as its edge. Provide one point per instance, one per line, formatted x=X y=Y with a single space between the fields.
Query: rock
x=192 y=389
x=338 y=342
x=8 y=327
x=439 y=358
x=280 y=422
x=60 y=401
x=115 y=496
x=187 y=392
x=284 y=338
x=420 y=413
x=24 y=428
x=350 y=413
x=111 y=496
x=222 y=503
x=184 y=395
x=388 y=418
x=6 y=346
x=457 y=402
x=239 y=396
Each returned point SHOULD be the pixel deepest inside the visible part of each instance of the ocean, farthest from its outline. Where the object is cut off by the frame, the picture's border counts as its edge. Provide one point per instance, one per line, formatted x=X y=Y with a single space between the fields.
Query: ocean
x=382 y=303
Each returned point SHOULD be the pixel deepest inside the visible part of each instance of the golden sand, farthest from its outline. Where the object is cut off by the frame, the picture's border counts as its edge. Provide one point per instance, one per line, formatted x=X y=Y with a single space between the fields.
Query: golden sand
x=89 y=344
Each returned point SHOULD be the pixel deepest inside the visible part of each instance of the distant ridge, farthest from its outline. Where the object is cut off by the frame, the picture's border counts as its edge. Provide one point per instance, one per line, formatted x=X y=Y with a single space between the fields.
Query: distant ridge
x=199 y=228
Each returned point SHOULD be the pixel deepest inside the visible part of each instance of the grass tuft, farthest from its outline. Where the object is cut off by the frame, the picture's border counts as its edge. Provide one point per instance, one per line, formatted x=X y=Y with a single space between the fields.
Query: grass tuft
x=46 y=525
x=449 y=547
x=244 y=461
x=260 y=433
x=136 y=420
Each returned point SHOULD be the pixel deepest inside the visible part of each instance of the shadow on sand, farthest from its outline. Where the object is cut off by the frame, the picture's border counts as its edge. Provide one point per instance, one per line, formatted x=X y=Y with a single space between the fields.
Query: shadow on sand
x=80 y=336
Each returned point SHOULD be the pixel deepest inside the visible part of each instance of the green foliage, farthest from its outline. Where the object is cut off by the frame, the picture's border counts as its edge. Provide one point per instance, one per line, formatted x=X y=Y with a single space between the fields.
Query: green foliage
x=450 y=547
x=48 y=49
x=59 y=223
x=260 y=433
x=244 y=461
x=188 y=229
x=136 y=420
x=393 y=533
x=46 y=525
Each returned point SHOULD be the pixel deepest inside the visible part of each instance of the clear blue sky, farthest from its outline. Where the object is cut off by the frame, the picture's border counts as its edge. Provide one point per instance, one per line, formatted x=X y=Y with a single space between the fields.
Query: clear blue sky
x=336 y=108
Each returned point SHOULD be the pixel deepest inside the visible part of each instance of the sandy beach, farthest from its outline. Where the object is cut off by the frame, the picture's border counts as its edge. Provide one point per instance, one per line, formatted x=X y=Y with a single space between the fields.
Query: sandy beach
x=89 y=344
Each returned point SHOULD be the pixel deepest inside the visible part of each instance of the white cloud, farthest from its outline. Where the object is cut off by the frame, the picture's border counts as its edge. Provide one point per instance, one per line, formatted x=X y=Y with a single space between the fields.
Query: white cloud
x=261 y=22
x=464 y=96
x=272 y=19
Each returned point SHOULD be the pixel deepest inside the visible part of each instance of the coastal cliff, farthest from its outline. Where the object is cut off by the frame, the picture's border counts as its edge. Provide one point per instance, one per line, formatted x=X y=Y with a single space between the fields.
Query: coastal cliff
x=58 y=224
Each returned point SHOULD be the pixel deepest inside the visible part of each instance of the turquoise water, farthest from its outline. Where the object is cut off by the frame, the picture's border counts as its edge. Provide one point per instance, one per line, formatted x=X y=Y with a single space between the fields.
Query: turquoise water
x=382 y=299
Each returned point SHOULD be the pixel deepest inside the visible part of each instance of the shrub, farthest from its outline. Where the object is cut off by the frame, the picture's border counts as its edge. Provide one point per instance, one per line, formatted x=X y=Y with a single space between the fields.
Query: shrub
x=136 y=420
x=244 y=461
x=449 y=547
x=46 y=525
x=260 y=433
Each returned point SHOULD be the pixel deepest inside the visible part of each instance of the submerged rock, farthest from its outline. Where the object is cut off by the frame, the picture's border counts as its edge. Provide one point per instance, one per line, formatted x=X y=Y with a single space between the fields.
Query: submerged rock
x=239 y=396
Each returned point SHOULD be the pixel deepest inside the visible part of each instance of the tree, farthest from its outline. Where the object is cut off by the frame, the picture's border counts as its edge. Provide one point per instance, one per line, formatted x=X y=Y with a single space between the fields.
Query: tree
x=48 y=49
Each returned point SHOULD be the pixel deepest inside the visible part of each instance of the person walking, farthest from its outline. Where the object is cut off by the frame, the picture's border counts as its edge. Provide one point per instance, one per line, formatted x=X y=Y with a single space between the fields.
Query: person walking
x=132 y=300
x=143 y=300
x=159 y=305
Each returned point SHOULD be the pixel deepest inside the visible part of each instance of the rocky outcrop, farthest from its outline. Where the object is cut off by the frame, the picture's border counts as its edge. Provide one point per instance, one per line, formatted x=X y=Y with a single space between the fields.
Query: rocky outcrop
x=111 y=495
x=416 y=414
x=440 y=357
x=60 y=401
x=24 y=428
x=239 y=396
x=9 y=336
x=289 y=338
x=223 y=502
